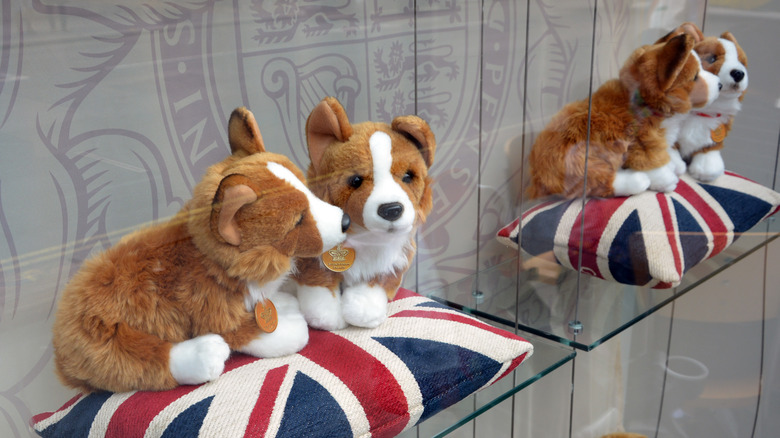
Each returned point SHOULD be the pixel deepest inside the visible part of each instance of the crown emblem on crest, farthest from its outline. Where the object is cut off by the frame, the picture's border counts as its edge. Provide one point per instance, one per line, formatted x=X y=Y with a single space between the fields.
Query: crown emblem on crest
x=339 y=254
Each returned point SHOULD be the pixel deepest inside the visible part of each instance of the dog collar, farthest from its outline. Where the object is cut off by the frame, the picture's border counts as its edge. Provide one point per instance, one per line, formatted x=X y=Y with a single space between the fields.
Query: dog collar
x=711 y=116
x=641 y=108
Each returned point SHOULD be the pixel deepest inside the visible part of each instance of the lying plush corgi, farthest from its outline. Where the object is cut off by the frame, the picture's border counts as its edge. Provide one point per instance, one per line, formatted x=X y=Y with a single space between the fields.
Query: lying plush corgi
x=701 y=134
x=378 y=174
x=628 y=152
x=167 y=304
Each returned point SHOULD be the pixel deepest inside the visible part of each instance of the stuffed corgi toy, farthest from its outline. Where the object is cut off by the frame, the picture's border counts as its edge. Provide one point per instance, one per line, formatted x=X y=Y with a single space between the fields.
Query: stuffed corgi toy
x=378 y=174
x=700 y=135
x=166 y=305
x=627 y=153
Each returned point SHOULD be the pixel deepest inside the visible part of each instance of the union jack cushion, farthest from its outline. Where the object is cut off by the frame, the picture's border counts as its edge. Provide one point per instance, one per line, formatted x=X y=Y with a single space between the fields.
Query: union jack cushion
x=649 y=238
x=352 y=382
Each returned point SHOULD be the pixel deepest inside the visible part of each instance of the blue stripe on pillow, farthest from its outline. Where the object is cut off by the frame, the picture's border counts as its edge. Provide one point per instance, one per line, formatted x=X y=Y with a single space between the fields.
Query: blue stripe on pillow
x=692 y=238
x=78 y=421
x=312 y=411
x=440 y=387
x=627 y=260
x=539 y=233
x=189 y=422
x=743 y=209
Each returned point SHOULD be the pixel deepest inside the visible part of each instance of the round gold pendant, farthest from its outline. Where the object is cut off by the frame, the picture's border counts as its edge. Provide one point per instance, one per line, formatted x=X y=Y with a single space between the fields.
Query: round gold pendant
x=718 y=134
x=339 y=258
x=265 y=315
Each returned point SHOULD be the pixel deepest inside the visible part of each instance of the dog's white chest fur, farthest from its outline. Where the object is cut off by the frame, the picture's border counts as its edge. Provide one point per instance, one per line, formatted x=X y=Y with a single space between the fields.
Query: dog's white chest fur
x=257 y=293
x=376 y=255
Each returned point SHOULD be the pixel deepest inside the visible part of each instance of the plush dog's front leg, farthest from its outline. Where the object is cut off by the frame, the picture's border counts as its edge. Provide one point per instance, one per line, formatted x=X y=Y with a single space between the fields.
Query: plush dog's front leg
x=651 y=155
x=321 y=307
x=291 y=333
x=318 y=295
x=707 y=166
x=365 y=304
x=198 y=360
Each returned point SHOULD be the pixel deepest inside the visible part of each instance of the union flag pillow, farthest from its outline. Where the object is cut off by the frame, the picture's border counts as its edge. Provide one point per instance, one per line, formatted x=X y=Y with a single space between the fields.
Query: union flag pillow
x=352 y=382
x=646 y=239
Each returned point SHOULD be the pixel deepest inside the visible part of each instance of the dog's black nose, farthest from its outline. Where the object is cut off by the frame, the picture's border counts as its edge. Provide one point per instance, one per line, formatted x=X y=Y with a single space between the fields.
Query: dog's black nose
x=345 y=221
x=390 y=211
x=737 y=75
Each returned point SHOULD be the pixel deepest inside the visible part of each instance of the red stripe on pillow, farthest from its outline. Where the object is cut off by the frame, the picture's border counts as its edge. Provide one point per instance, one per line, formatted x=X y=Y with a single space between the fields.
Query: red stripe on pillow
x=714 y=223
x=432 y=314
x=139 y=410
x=260 y=417
x=43 y=416
x=515 y=362
x=669 y=224
x=537 y=207
x=597 y=213
x=373 y=384
x=404 y=293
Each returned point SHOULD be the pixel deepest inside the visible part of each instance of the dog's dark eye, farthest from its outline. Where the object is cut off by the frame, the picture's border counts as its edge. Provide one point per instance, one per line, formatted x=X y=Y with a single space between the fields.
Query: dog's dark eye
x=300 y=219
x=355 y=181
x=711 y=59
x=408 y=177
x=696 y=78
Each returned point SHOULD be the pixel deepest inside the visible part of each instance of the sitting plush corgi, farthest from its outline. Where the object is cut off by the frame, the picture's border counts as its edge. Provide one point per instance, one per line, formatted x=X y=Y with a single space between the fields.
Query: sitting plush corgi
x=378 y=174
x=627 y=152
x=701 y=134
x=167 y=304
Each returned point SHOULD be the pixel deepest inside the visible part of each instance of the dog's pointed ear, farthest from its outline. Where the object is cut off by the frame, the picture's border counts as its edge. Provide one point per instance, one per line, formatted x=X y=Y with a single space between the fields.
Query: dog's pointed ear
x=243 y=133
x=687 y=28
x=327 y=123
x=729 y=36
x=740 y=53
x=672 y=58
x=418 y=131
x=692 y=30
x=234 y=192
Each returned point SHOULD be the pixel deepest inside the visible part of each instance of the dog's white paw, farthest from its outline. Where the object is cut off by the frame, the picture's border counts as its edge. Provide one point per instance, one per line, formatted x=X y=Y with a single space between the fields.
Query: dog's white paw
x=198 y=360
x=677 y=162
x=663 y=179
x=321 y=309
x=364 y=306
x=630 y=182
x=707 y=166
x=290 y=336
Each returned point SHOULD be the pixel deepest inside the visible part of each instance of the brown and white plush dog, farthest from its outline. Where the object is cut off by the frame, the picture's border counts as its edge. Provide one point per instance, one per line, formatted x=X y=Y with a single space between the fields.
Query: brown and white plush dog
x=378 y=174
x=167 y=304
x=628 y=152
x=700 y=135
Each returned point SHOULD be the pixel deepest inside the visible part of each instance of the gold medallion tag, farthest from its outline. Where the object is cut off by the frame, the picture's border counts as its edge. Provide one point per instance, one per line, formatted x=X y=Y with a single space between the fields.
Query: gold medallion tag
x=718 y=134
x=265 y=315
x=339 y=259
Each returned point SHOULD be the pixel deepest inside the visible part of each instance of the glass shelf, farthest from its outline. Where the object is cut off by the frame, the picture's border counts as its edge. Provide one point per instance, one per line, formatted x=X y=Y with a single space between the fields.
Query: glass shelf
x=580 y=311
x=548 y=356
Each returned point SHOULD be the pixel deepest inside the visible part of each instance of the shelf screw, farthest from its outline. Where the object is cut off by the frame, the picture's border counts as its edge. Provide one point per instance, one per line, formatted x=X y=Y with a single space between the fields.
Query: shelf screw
x=479 y=296
x=575 y=327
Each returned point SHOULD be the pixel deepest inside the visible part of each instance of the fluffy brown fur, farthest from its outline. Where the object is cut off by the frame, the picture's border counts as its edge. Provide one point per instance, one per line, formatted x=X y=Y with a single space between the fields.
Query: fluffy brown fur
x=339 y=151
x=655 y=83
x=124 y=310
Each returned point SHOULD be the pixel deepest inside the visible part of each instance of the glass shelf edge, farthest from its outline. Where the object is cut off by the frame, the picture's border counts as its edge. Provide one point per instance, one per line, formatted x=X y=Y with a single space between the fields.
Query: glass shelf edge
x=770 y=233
